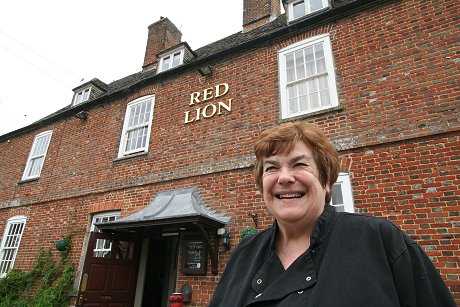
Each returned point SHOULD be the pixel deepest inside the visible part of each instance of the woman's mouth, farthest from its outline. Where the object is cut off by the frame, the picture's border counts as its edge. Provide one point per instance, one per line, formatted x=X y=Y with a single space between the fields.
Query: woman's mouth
x=289 y=195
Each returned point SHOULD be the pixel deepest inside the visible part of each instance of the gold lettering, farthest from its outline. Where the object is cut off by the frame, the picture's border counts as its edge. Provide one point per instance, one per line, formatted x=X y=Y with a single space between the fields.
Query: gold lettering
x=225 y=85
x=194 y=98
x=197 y=114
x=214 y=109
x=211 y=109
x=227 y=107
x=187 y=120
x=207 y=94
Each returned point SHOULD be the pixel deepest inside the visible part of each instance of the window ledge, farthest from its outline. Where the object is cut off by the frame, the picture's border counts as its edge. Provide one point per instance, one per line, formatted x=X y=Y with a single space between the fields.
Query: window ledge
x=134 y=155
x=28 y=180
x=313 y=114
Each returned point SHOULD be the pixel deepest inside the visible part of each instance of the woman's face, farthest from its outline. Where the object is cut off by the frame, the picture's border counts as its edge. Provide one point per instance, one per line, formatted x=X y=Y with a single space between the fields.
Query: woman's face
x=291 y=188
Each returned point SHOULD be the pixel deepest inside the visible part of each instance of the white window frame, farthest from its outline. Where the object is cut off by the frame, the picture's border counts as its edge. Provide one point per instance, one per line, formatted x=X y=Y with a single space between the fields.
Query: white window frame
x=37 y=157
x=343 y=181
x=170 y=55
x=308 y=11
x=122 y=151
x=329 y=73
x=107 y=216
x=82 y=96
x=103 y=246
x=10 y=243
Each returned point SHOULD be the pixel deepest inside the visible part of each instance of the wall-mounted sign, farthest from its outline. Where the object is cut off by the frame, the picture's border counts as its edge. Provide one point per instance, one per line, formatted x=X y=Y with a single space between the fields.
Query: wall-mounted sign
x=208 y=103
x=194 y=258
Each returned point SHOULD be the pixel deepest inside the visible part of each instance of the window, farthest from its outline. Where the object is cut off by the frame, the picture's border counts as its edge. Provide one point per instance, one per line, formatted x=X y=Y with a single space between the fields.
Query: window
x=171 y=60
x=37 y=155
x=307 y=77
x=103 y=246
x=137 y=125
x=81 y=96
x=10 y=243
x=103 y=218
x=297 y=9
x=342 y=195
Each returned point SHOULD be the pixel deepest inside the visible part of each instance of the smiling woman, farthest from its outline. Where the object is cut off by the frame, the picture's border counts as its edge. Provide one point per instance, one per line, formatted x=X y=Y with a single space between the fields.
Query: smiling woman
x=308 y=253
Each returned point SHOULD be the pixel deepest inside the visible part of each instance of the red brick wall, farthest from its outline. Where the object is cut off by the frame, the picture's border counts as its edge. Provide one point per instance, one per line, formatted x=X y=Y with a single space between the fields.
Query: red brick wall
x=396 y=130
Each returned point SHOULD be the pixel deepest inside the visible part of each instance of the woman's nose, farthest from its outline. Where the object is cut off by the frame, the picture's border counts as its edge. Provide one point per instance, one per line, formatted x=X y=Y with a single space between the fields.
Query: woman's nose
x=285 y=176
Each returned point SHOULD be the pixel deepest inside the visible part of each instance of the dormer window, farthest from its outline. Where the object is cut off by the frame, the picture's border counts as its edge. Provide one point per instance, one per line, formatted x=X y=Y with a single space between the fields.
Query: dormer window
x=89 y=91
x=298 y=9
x=81 y=96
x=171 y=60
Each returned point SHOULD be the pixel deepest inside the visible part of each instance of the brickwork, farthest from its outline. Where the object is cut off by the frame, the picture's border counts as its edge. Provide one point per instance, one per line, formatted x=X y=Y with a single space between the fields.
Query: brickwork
x=396 y=129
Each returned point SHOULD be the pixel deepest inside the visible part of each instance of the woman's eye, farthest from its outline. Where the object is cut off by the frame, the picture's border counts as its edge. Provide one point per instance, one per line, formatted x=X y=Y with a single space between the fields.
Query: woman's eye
x=270 y=169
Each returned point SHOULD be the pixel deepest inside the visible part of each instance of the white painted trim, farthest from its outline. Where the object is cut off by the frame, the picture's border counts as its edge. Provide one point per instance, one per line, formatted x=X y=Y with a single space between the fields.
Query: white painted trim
x=330 y=69
x=20 y=219
x=121 y=151
x=30 y=157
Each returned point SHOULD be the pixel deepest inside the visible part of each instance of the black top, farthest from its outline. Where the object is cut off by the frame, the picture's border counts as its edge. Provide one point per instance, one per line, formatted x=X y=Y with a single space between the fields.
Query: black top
x=353 y=260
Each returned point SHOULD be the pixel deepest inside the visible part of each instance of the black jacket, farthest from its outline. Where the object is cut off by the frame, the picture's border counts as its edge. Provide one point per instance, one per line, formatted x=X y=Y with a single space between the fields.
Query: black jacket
x=353 y=260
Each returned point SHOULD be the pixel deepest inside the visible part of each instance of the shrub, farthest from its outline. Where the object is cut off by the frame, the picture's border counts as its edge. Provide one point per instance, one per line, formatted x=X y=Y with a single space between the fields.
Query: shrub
x=47 y=284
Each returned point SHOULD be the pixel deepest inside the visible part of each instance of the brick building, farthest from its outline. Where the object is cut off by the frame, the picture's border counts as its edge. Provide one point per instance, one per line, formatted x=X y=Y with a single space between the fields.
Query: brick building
x=165 y=155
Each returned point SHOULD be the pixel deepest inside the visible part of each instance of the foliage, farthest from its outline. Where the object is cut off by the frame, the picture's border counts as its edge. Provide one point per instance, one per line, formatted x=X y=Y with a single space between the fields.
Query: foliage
x=47 y=284
x=248 y=231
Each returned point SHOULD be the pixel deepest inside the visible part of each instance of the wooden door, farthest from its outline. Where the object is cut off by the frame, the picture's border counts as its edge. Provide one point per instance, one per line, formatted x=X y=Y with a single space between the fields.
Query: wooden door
x=110 y=271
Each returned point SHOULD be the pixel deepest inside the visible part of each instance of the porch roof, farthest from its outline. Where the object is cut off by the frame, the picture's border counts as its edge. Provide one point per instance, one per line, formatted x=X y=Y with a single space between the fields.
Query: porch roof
x=172 y=210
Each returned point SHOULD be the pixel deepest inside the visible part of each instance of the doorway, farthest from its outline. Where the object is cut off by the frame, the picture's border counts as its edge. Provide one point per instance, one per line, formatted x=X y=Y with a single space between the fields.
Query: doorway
x=160 y=272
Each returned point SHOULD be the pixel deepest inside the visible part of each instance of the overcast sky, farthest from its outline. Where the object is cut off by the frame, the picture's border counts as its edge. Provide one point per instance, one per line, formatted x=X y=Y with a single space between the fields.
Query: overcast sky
x=48 y=46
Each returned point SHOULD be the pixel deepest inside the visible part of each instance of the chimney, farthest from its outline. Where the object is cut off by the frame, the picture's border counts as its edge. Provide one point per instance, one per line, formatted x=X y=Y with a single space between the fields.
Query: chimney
x=259 y=12
x=163 y=34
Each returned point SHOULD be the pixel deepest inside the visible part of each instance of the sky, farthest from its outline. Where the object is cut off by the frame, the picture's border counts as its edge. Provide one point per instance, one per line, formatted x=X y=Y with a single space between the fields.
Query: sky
x=49 y=47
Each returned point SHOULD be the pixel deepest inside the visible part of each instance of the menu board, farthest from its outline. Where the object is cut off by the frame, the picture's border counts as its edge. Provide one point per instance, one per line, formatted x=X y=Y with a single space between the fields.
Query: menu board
x=194 y=259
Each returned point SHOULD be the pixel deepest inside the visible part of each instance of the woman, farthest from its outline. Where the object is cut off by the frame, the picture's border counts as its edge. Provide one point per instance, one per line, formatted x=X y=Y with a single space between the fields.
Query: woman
x=313 y=256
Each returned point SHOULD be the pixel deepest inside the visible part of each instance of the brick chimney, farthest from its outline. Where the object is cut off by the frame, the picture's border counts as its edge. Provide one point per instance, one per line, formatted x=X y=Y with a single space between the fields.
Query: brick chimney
x=259 y=12
x=163 y=34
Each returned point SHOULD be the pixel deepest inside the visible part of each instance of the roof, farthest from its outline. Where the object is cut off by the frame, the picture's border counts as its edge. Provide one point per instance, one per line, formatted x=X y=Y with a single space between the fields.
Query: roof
x=228 y=45
x=182 y=208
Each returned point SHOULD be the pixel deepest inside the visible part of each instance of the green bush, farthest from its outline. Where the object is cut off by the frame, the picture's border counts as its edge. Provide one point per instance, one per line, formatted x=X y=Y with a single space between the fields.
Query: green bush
x=48 y=284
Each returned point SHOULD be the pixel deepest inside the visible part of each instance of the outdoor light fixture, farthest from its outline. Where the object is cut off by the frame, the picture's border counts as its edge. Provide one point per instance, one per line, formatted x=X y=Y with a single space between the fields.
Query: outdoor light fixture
x=224 y=237
x=82 y=115
x=205 y=70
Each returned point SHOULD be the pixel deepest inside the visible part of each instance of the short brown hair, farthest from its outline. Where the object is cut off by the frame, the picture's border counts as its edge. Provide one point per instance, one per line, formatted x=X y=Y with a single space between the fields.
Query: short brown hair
x=281 y=139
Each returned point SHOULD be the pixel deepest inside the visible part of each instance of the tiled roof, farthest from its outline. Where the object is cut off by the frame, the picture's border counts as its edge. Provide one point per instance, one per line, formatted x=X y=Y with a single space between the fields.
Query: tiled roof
x=227 y=45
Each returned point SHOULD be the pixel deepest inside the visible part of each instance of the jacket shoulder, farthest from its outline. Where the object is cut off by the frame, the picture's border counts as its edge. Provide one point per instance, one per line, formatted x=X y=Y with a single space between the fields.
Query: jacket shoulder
x=375 y=231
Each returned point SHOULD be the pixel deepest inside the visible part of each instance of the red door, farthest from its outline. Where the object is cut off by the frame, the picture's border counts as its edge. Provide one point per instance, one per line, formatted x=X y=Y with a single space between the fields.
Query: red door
x=110 y=271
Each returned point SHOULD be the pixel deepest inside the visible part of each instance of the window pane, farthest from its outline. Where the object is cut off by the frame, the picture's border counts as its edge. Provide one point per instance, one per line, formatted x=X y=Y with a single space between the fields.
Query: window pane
x=103 y=248
x=324 y=91
x=176 y=59
x=310 y=61
x=293 y=106
x=316 y=5
x=125 y=250
x=319 y=58
x=290 y=74
x=298 y=9
x=79 y=98
x=289 y=60
x=337 y=196
x=166 y=61
x=86 y=95
x=300 y=65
